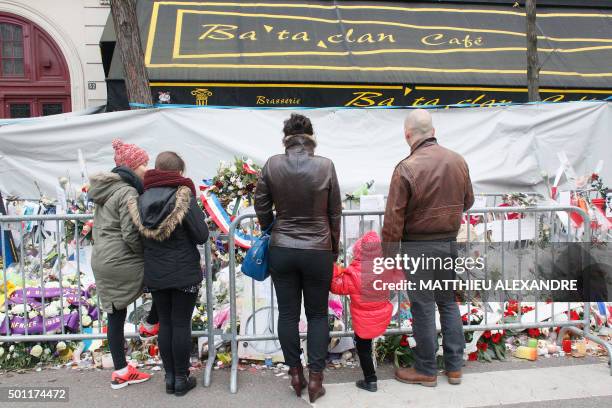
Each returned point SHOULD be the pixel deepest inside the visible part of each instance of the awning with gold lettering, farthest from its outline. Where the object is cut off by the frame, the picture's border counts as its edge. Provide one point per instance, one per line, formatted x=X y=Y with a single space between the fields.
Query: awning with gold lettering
x=305 y=53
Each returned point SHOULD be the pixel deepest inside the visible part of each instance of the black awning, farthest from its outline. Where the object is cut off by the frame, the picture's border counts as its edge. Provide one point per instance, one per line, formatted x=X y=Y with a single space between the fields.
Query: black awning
x=392 y=43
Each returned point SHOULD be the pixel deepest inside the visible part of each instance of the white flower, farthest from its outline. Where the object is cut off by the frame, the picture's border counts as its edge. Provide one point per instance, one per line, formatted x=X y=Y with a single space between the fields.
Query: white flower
x=15 y=354
x=1 y=351
x=230 y=188
x=47 y=351
x=66 y=311
x=411 y=342
x=84 y=311
x=20 y=308
x=11 y=348
x=234 y=179
x=233 y=168
x=36 y=351
x=8 y=356
x=32 y=314
x=61 y=346
x=52 y=310
x=86 y=320
x=239 y=184
x=249 y=162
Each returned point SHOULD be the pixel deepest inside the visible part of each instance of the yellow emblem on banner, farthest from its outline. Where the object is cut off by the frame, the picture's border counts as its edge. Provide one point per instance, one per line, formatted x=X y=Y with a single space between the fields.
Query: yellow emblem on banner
x=201 y=95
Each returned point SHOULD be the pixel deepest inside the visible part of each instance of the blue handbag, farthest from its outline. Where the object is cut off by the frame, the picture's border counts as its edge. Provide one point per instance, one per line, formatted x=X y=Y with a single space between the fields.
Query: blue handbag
x=255 y=264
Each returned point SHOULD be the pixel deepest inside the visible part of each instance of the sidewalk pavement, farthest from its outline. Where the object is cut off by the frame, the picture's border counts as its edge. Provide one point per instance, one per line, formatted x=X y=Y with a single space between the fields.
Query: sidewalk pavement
x=554 y=382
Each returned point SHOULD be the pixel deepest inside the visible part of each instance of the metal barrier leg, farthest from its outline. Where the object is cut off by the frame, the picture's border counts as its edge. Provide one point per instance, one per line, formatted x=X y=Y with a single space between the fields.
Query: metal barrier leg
x=209 y=313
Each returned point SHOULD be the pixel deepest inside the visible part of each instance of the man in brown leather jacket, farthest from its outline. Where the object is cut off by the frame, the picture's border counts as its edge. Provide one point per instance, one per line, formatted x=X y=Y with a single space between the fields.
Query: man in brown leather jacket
x=430 y=189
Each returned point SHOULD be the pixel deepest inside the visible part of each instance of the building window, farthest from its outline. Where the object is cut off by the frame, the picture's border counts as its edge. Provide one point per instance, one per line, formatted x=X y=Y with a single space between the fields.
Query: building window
x=52 y=109
x=11 y=50
x=20 y=110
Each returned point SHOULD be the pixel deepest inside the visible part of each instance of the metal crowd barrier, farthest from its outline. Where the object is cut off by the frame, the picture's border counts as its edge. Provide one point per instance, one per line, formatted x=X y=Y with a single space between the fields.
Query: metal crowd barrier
x=33 y=238
x=580 y=327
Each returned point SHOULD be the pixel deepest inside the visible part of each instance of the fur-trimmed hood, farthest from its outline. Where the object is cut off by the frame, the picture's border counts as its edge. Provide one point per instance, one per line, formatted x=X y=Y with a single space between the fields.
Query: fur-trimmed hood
x=158 y=211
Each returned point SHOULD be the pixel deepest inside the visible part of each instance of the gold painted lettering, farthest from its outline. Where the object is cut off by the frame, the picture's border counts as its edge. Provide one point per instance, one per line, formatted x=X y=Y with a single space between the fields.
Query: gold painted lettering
x=302 y=35
x=249 y=35
x=429 y=39
x=554 y=98
x=365 y=38
x=349 y=35
x=417 y=101
x=382 y=37
x=387 y=102
x=336 y=38
x=283 y=35
x=218 y=32
x=363 y=99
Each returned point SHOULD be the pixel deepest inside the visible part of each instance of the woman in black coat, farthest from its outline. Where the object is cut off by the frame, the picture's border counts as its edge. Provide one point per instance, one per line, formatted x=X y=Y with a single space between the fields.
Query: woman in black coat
x=172 y=225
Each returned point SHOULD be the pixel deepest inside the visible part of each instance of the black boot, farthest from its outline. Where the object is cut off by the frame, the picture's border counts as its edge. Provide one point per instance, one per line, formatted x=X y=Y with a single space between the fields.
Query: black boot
x=169 y=383
x=182 y=384
x=366 y=385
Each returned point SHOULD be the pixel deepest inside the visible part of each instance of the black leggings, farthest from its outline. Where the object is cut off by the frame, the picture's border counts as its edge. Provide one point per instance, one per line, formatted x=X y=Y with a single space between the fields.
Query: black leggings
x=116 y=337
x=364 y=351
x=307 y=271
x=175 y=309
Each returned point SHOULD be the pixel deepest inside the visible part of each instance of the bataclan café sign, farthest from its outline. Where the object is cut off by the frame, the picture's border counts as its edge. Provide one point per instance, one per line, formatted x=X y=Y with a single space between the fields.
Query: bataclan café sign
x=362 y=54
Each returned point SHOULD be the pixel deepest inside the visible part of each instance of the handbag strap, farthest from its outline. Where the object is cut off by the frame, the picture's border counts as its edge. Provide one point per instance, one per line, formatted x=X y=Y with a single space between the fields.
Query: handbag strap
x=267 y=230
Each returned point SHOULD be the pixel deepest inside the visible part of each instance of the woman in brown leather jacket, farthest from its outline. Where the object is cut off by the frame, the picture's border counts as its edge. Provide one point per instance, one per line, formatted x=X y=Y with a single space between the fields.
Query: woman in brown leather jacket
x=303 y=189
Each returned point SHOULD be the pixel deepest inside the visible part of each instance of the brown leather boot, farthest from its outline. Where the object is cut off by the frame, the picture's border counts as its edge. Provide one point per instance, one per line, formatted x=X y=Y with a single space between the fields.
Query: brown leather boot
x=298 y=381
x=411 y=376
x=315 y=385
x=454 y=377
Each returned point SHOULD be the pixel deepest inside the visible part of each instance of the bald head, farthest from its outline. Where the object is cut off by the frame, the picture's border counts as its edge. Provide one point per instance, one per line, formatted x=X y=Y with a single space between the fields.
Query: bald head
x=418 y=126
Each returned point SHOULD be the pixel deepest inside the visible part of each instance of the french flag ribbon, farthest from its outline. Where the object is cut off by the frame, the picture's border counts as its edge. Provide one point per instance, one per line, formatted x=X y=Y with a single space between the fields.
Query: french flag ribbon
x=220 y=217
x=247 y=167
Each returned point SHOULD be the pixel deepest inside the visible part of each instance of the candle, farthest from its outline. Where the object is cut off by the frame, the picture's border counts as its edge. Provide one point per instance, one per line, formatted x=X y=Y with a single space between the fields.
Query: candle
x=533 y=343
x=567 y=346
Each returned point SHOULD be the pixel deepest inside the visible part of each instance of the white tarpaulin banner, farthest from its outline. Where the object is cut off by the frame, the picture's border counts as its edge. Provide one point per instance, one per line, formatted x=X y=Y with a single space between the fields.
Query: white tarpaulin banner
x=507 y=148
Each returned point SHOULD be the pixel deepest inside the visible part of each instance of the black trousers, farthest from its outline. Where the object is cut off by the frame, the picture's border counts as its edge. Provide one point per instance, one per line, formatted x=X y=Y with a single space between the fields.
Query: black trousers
x=364 y=351
x=307 y=272
x=116 y=337
x=175 y=309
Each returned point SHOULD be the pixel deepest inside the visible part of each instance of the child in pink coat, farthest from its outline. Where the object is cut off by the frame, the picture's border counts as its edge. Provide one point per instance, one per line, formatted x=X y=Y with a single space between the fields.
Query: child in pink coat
x=371 y=312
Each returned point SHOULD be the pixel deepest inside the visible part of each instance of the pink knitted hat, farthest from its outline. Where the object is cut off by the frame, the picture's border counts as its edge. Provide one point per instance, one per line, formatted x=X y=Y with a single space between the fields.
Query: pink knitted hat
x=129 y=155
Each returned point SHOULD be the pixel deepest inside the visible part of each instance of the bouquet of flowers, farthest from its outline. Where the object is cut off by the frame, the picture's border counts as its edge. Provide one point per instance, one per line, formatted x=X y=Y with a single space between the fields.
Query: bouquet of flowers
x=235 y=181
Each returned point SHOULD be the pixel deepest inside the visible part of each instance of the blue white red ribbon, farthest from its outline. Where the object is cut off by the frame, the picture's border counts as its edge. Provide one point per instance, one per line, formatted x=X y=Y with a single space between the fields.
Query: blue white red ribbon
x=220 y=217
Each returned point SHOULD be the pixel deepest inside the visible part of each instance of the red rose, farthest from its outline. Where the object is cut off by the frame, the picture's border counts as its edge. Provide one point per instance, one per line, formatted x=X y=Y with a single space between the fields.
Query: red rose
x=464 y=318
x=534 y=332
x=219 y=184
x=496 y=338
x=482 y=346
x=594 y=176
x=487 y=334
x=404 y=341
x=473 y=356
x=574 y=315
